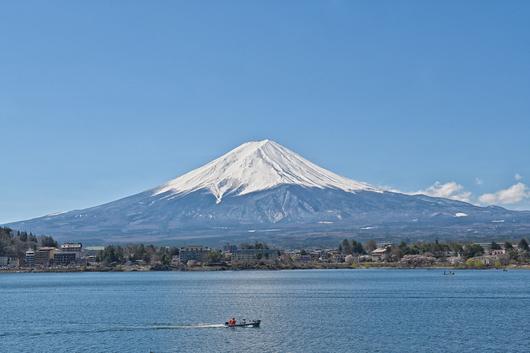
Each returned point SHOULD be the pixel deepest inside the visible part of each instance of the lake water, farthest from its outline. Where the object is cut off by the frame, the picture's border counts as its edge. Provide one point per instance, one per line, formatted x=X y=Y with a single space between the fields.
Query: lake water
x=301 y=311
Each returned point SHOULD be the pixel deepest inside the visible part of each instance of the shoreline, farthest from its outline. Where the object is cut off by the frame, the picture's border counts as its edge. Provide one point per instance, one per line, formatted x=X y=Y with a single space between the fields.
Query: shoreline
x=258 y=268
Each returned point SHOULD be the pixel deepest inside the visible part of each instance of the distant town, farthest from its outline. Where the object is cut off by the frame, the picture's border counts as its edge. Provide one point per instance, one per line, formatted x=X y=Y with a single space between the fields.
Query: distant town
x=21 y=251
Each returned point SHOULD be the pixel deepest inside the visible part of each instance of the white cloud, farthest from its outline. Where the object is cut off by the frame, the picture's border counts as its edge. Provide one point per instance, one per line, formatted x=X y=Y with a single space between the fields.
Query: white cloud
x=517 y=195
x=514 y=194
x=449 y=190
x=518 y=176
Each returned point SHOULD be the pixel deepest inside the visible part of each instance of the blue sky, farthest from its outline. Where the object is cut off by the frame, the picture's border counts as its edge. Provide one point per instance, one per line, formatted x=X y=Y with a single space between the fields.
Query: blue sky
x=102 y=99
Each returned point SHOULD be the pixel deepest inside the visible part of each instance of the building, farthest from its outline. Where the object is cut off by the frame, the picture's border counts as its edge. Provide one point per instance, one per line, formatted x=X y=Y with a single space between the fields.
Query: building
x=175 y=260
x=8 y=262
x=30 y=257
x=193 y=253
x=63 y=258
x=44 y=256
x=485 y=260
x=255 y=255
x=349 y=259
x=333 y=256
x=379 y=254
x=306 y=258
x=92 y=252
x=316 y=255
x=72 y=247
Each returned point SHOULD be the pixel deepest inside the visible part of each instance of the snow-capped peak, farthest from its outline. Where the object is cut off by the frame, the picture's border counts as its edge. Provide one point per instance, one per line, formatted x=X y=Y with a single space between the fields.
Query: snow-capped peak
x=256 y=166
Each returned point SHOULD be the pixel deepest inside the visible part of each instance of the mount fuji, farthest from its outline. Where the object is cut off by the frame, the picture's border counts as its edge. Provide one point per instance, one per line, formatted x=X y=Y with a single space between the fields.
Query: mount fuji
x=262 y=190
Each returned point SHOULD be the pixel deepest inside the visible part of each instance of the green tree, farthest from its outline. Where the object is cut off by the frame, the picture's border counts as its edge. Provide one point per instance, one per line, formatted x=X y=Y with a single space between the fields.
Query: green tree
x=346 y=247
x=215 y=256
x=357 y=248
x=472 y=250
x=523 y=245
x=165 y=260
x=259 y=245
x=405 y=249
x=139 y=253
x=256 y=245
x=112 y=254
x=510 y=251
x=48 y=241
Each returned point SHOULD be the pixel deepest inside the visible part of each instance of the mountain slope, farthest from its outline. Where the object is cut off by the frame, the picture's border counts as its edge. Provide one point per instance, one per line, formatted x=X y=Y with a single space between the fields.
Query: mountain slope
x=261 y=189
x=256 y=166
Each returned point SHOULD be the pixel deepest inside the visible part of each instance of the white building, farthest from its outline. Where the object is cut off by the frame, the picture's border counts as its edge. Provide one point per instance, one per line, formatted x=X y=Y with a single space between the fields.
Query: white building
x=255 y=255
x=8 y=262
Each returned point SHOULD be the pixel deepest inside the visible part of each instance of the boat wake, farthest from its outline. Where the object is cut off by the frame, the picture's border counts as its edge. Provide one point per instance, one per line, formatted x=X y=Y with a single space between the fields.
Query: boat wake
x=102 y=329
x=191 y=326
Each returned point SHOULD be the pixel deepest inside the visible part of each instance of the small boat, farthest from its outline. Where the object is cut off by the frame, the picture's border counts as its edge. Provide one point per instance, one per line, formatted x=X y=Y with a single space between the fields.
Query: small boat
x=244 y=323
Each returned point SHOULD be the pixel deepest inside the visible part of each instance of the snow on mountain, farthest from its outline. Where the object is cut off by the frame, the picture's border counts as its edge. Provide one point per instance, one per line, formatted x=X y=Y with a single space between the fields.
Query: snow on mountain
x=256 y=166
x=262 y=190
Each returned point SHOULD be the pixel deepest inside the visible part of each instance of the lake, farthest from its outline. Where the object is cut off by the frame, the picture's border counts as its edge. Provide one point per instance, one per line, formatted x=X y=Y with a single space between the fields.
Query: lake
x=301 y=311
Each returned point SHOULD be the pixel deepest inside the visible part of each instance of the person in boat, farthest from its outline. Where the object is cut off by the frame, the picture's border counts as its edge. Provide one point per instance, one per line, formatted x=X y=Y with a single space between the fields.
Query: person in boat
x=232 y=322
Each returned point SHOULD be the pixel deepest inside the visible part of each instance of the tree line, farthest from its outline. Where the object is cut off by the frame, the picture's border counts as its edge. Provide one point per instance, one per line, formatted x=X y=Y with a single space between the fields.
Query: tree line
x=437 y=249
x=15 y=243
x=116 y=254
